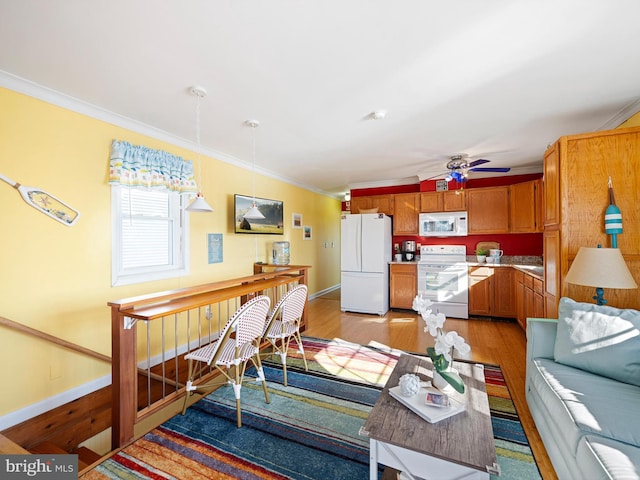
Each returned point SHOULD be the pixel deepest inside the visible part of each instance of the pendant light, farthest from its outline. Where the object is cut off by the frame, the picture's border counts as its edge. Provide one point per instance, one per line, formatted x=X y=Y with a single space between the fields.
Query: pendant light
x=253 y=213
x=199 y=204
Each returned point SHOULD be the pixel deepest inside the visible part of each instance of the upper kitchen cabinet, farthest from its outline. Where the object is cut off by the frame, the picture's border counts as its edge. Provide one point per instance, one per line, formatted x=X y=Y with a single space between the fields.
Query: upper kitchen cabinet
x=405 y=213
x=576 y=172
x=448 y=201
x=526 y=207
x=488 y=210
x=384 y=204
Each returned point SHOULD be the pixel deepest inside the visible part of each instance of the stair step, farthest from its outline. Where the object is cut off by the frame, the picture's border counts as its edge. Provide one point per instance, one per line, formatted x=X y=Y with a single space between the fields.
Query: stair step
x=86 y=456
x=48 y=447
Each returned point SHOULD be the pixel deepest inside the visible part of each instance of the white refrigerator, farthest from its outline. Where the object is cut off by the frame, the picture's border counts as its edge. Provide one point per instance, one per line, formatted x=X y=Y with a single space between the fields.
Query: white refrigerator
x=365 y=252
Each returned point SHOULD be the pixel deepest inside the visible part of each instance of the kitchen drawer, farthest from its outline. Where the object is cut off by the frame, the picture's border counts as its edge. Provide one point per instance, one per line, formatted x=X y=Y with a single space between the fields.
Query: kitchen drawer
x=538 y=286
x=528 y=281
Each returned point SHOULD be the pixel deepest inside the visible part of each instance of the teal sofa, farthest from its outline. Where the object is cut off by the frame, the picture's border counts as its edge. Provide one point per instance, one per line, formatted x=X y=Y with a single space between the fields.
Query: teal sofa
x=583 y=389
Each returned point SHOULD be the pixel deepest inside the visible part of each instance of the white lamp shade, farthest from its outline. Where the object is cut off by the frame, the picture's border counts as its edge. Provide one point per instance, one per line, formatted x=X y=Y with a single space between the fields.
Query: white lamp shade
x=199 y=204
x=253 y=213
x=600 y=267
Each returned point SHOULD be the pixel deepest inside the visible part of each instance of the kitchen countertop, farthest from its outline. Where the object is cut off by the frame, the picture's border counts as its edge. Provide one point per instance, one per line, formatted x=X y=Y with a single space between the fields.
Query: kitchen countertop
x=527 y=265
x=533 y=270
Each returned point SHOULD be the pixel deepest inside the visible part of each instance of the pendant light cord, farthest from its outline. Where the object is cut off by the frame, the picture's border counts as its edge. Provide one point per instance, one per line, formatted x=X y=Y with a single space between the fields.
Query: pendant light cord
x=253 y=183
x=198 y=142
x=253 y=155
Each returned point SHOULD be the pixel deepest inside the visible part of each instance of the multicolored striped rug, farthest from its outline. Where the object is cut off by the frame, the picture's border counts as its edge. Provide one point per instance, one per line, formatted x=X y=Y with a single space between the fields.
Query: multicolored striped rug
x=310 y=430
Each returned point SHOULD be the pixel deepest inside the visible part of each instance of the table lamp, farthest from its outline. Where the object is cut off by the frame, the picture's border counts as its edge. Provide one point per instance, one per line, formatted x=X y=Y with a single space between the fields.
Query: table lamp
x=601 y=268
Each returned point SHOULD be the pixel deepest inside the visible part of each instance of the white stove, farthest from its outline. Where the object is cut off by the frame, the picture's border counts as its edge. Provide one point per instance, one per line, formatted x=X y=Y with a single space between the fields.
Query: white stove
x=443 y=278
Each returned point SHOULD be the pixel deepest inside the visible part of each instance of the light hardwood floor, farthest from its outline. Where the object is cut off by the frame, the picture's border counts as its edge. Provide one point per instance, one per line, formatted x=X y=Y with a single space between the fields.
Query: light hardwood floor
x=496 y=342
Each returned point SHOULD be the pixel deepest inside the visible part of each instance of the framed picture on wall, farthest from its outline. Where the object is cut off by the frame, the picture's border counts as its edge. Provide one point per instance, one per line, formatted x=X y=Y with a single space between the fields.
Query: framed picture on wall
x=307 y=233
x=296 y=220
x=258 y=215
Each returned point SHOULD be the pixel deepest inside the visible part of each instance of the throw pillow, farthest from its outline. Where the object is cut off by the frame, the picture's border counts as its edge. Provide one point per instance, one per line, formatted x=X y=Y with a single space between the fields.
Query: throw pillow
x=599 y=339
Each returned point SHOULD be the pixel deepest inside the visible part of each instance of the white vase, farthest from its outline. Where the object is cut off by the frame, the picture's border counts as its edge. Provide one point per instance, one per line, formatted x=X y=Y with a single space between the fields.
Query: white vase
x=440 y=383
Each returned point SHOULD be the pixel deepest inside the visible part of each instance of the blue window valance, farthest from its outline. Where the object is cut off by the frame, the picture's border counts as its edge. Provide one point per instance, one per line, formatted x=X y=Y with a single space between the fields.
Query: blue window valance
x=139 y=166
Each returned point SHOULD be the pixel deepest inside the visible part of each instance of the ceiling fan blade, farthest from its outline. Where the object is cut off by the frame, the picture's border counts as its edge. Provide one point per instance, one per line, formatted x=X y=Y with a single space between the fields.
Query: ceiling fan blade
x=489 y=169
x=480 y=161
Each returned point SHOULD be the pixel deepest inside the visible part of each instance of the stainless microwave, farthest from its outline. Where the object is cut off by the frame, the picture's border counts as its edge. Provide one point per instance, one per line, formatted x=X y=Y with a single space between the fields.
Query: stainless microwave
x=443 y=224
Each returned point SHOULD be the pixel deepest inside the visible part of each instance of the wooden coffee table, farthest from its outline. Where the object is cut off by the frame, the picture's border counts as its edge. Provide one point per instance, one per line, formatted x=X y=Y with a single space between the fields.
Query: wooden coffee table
x=461 y=446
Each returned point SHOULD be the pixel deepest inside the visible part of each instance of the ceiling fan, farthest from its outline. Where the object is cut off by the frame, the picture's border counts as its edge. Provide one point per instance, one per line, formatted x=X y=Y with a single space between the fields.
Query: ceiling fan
x=459 y=167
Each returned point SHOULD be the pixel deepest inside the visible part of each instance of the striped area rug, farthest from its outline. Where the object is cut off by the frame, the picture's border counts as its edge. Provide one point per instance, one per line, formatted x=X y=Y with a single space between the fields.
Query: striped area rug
x=310 y=430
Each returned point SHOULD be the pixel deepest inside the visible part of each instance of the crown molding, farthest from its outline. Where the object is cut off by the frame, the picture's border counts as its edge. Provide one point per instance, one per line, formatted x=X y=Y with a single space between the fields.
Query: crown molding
x=32 y=89
x=385 y=183
x=622 y=116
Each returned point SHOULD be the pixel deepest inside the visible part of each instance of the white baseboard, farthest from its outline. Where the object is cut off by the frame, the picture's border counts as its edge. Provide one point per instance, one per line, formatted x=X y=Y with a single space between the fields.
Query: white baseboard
x=323 y=292
x=35 y=409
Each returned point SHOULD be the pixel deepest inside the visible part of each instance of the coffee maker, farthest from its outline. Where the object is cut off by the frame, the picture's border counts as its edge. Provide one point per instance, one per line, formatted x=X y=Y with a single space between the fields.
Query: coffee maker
x=408 y=251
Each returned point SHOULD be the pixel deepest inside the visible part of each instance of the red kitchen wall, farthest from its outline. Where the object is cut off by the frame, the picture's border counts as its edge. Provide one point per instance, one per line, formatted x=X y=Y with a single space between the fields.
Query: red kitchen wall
x=511 y=244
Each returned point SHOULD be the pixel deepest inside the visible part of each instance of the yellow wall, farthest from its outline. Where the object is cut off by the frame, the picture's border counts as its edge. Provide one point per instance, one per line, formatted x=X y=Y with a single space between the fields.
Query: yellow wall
x=633 y=121
x=57 y=279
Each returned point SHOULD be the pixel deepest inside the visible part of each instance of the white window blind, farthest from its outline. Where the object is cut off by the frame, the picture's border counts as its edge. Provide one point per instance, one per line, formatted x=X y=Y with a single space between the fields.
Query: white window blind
x=149 y=241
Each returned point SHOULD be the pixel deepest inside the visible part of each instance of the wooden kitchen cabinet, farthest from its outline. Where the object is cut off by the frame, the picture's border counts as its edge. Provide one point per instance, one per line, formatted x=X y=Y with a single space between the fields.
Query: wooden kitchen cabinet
x=504 y=293
x=431 y=202
x=538 y=299
x=403 y=284
x=480 y=290
x=492 y=292
x=405 y=213
x=525 y=209
x=576 y=173
x=518 y=279
x=551 y=257
x=552 y=185
x=447 y=201
x=529 y=297
x=488 y=210
x=454 y=201
x=384 y=204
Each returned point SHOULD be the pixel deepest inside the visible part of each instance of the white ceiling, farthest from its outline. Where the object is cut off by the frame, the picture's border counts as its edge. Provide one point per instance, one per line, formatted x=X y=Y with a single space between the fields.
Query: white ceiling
x=496 y=79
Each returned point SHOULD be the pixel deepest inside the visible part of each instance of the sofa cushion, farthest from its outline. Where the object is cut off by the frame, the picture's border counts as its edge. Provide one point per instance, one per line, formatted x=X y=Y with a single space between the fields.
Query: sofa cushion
x=599 y=339
x=604 y=458
x=581 y=403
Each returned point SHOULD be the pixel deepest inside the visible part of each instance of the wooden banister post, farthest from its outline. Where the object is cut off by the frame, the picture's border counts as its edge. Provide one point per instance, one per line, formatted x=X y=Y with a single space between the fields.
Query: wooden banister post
x=124 y=379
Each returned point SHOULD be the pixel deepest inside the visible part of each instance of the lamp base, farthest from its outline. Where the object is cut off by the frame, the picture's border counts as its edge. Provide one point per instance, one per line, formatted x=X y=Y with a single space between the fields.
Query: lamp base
x=599 y=296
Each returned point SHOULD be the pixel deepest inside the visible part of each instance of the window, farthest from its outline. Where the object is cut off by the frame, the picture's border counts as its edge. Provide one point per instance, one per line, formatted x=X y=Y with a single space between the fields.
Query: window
x=150 y=235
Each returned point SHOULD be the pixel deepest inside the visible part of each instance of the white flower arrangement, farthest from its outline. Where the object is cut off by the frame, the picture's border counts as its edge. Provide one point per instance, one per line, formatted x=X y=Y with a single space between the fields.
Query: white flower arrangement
x=442 y=353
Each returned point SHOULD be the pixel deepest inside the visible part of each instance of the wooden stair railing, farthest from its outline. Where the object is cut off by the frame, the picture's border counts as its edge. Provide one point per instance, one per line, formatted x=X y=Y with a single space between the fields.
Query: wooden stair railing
x=50 y=338
x=125 y=313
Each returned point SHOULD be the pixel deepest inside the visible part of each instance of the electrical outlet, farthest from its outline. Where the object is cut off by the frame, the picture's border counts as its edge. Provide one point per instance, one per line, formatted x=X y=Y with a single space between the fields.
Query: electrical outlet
x=326 y=244
x=207 y=312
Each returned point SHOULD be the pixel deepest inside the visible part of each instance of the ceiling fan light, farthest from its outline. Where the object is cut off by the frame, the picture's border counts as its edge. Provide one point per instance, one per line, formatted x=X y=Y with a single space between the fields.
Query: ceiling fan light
x=458 y=176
